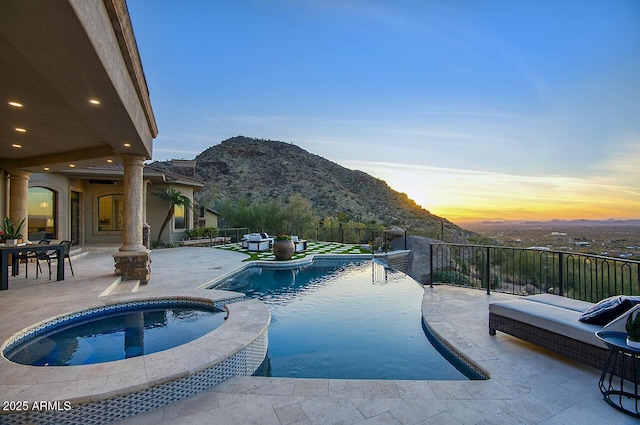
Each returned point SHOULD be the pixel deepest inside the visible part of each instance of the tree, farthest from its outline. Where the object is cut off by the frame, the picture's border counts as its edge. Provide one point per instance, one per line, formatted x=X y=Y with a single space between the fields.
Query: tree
x=269 y=214
x=175 y=199
x=298 y=214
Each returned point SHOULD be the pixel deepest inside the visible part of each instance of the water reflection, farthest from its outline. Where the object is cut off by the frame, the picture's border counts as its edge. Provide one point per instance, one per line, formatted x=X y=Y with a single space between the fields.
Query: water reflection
x=358 y=320
x=118 y=336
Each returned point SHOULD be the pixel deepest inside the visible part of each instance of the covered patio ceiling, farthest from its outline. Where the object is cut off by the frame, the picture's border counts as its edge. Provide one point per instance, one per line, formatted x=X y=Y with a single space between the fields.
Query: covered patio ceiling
x=72 y=88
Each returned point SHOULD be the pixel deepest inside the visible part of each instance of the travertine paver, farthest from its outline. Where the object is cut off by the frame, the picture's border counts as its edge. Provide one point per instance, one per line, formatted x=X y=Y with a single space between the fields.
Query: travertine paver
x=74 y=385
x=528 y=385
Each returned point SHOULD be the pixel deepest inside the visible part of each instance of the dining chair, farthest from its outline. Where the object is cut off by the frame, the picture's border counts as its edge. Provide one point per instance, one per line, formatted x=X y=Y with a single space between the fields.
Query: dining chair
x=50 y=255
x=28 y=256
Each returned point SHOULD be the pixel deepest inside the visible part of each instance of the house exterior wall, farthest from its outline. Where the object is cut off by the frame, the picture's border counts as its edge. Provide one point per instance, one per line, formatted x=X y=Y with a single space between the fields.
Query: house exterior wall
x=89 y=194
x=60 y=185
x=4 y=181
x=210 y=219
x=157 y=210
x=92 y=192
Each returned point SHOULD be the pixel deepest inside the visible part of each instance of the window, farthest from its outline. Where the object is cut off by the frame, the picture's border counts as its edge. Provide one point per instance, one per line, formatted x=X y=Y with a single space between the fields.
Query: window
x=110 y=212
x=42 y=213
x=179 y=218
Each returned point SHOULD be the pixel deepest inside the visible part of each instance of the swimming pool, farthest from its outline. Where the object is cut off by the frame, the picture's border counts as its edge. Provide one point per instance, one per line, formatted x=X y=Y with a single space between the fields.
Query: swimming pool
x=115 y=332
x=344 y=320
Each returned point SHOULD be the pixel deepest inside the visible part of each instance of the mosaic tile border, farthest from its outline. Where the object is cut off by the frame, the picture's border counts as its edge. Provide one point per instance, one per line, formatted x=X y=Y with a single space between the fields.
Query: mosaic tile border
x=243 y=363
x=70 y=319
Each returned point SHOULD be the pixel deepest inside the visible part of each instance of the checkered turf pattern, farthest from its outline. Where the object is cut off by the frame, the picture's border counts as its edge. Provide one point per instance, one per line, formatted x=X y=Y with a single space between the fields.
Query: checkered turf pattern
x=312 y=248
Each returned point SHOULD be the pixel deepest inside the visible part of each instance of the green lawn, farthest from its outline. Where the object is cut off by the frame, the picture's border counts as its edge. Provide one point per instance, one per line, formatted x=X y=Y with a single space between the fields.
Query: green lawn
x=312 y=248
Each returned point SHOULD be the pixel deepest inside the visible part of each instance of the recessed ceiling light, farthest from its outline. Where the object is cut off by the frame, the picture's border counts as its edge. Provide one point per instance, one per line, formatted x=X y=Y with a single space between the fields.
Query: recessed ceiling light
x=127 y=145
x=72 y=165
x=15 y=145
x=109 y=161
x=94 y=101
x=16 y=104
x=46 y=168
x=21 y=130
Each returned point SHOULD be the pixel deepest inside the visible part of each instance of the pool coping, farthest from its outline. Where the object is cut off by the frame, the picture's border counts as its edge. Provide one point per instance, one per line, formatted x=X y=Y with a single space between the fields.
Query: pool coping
x=458 y=356
x=237 y=347
x=287 y=264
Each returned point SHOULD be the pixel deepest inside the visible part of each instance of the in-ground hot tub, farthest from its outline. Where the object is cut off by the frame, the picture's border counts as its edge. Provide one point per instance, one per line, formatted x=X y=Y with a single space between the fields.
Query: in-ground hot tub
x=109 y=391
x=115 y=332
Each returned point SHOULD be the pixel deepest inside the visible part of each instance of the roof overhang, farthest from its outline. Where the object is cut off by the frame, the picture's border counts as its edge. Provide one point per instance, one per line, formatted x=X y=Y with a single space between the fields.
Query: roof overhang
x=56 y=57
x=116 y=173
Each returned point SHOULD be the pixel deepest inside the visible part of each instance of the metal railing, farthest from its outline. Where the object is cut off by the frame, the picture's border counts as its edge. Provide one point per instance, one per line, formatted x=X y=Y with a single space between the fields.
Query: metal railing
x=528 y=271
x=235 y=233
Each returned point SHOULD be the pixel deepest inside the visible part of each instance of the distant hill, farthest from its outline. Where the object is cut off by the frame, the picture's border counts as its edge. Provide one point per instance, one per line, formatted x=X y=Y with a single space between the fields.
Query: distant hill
x=550 y=224
x=256 y=168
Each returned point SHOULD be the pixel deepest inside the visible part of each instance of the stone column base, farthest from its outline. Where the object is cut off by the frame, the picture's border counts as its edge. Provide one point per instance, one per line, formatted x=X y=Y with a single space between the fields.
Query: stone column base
x=133 y=265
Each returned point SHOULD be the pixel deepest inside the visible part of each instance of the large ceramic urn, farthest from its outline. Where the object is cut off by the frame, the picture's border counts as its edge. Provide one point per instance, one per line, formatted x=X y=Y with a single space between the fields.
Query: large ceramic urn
x=283 y=249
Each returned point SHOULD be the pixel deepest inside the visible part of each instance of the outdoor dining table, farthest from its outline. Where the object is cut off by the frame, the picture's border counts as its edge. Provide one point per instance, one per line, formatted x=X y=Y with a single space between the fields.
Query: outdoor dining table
x=5 y=250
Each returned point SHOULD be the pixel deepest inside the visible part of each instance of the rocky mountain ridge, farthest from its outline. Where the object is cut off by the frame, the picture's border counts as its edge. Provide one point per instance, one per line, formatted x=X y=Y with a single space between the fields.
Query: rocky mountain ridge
x=257 y=168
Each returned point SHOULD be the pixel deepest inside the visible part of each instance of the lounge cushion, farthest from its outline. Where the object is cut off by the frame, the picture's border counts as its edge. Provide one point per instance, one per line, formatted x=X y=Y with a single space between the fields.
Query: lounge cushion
x=608 y=309
x=255 y=237
x=549 y=317
x=559 y=301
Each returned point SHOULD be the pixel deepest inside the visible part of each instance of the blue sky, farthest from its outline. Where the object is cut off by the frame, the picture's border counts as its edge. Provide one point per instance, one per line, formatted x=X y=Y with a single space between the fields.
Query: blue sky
x=475 y=109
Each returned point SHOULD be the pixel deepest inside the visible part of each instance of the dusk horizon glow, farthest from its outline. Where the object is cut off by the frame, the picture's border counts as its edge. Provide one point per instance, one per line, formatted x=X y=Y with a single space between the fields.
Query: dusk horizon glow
x=492 y=110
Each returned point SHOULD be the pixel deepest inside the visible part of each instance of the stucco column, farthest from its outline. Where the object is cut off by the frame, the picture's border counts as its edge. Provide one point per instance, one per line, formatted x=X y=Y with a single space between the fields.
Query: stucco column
x=18 y=199
x=133 y=260
x=133 y=203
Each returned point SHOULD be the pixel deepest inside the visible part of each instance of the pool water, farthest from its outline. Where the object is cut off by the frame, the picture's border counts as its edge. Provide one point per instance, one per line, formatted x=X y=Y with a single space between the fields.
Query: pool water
x=344 y=321
x=118 y=335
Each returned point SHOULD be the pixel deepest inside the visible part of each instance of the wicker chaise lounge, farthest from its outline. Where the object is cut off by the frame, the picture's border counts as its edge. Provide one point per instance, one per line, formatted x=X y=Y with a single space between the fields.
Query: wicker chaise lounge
x=551 y=322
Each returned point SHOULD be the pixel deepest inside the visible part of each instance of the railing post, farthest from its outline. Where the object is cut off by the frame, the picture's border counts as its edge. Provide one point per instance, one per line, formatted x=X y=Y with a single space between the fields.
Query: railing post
x=560 y=274
x=431 y=265
x=588 y=277
x=488 y=273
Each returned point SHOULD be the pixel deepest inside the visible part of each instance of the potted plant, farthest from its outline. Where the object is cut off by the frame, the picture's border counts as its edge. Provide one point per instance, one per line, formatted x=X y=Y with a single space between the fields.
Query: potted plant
x=283 y=247
x=633 y=329
x=12 y=234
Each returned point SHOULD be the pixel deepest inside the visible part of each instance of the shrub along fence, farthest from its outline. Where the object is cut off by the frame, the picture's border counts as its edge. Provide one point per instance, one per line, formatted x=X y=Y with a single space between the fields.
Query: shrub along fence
x=527 y=271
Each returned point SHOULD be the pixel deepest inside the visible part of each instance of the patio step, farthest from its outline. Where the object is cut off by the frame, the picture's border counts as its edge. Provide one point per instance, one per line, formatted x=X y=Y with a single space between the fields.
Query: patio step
x=95 y=248
x=120 y=286
x=77 y=253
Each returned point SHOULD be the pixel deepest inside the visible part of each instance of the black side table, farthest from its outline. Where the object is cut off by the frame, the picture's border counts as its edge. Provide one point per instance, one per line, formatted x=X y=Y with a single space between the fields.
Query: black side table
x=620 y=380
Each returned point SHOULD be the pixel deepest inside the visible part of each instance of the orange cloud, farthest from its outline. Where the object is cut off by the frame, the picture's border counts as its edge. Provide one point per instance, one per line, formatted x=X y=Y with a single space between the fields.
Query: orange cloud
x=461 y=195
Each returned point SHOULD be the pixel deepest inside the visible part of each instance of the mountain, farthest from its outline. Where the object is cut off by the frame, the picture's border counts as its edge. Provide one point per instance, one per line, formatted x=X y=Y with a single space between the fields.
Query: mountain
x=256 y=168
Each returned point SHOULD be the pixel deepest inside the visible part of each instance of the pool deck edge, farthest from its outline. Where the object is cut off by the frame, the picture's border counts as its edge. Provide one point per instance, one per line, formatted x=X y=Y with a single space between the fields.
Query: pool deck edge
x=75 y=386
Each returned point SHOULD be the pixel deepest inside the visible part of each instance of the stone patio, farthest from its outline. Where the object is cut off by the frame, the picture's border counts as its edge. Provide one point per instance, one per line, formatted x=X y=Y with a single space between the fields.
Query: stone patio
x=527 y=386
